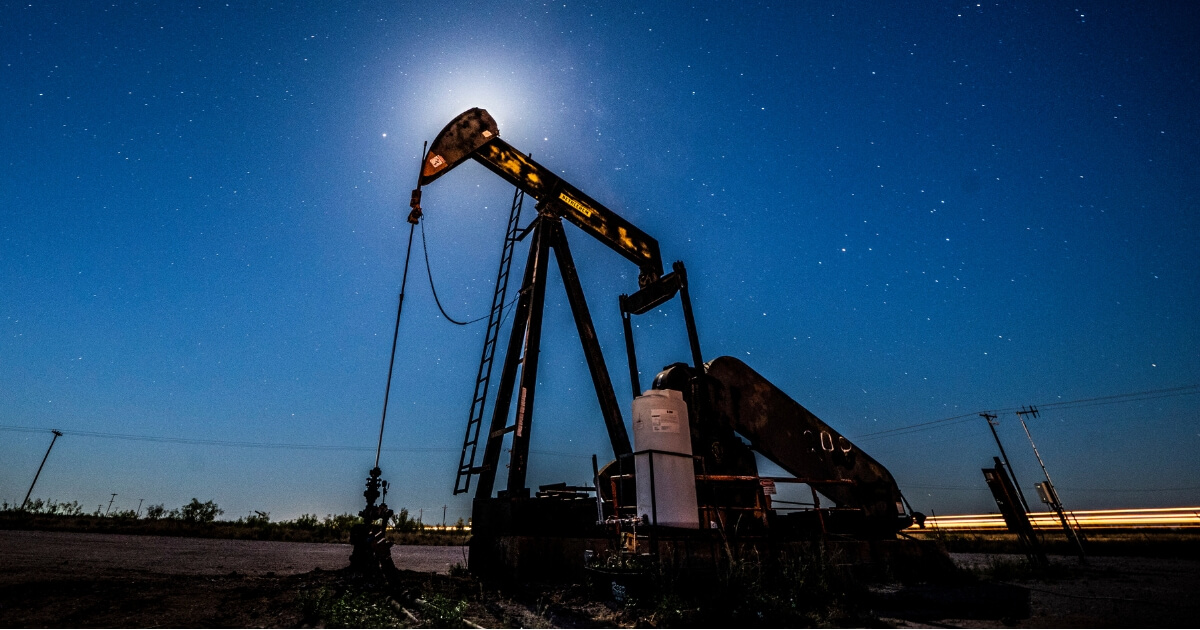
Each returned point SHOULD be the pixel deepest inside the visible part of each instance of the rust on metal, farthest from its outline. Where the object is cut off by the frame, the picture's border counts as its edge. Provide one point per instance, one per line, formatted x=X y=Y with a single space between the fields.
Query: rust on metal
x=796 y=440
x=474 y=134
x=457 y=141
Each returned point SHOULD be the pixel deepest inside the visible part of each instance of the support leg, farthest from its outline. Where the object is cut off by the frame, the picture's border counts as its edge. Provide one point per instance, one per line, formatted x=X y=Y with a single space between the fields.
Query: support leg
x=630 y=352
x=518 y=462
x=686 y=300
x=617 y=434
x=508 y=376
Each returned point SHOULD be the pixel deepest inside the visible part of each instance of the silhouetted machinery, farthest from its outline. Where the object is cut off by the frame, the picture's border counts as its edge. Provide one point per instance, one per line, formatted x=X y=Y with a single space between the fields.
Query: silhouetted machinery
x=690 y=474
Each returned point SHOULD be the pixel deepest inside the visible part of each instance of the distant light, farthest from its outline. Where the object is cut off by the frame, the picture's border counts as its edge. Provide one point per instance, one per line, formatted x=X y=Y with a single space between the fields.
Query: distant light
x=385 y=135
x=1088 y=519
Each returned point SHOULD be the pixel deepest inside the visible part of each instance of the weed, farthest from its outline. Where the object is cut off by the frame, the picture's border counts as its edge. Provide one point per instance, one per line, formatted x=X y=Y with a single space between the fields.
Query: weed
x=1010 y=569
x=440 y=611
x=794 y=588
x=673 y=611
x=1005 y=569
x=346 y=610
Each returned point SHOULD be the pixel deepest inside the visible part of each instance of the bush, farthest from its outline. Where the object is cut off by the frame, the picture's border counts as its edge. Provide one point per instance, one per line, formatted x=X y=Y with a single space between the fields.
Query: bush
x=256 y=519
x=38 y=506
x=402 y=522
x=305 y=521
x=197 y=512
x=340 y=522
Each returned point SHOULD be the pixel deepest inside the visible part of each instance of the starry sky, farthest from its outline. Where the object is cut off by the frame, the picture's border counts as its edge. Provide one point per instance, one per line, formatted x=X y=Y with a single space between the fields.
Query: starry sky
x=902 y=214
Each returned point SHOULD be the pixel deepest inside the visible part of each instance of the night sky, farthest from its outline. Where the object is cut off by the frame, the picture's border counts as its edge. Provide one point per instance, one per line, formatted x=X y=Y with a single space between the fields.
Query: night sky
x=898 y=213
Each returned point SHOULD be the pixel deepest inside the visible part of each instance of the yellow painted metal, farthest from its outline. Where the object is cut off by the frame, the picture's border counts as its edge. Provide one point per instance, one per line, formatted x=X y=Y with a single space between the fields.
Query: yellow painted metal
x=474 y=135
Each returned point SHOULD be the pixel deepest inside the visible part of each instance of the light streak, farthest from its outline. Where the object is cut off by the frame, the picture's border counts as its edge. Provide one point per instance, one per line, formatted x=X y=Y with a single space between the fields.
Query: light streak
x=1144 y=518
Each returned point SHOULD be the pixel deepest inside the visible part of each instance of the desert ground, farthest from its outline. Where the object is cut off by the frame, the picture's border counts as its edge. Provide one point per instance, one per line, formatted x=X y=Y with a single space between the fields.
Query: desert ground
x=63 y=579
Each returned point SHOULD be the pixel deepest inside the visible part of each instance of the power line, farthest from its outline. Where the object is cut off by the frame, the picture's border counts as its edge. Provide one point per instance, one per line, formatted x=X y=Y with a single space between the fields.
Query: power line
x=222 y=443
x=1114 y=396
x=1153 y=394
x=245 y=444
x=1186 y=390
x=922 y=426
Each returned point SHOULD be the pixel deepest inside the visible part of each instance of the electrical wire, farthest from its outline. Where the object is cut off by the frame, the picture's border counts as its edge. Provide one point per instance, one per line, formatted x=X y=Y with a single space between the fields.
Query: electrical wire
x=246 y=444
x=209 y=442
x=429 y=273
x=1115 y=396
x=1153 y=394
x=920 y=426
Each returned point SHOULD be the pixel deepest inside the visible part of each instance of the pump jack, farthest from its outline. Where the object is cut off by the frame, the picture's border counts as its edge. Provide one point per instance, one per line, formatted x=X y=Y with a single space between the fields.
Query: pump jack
x=725 y=399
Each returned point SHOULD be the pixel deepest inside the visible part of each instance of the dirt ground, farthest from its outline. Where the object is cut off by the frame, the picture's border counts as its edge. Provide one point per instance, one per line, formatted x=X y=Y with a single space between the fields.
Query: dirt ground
x=34 y=555
x=64 y=579
x=1104 y=592
x=59 y=579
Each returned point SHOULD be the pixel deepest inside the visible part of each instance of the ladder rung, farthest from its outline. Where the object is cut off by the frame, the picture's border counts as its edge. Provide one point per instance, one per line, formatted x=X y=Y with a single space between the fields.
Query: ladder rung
x=508 y=429
x=513 y=234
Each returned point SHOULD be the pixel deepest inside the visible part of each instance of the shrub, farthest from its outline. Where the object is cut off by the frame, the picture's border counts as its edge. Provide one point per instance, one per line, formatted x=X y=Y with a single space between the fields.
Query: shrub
x=197 y=512
x=402 y=522
x=305 y=521
x=256 y=519
x=340 y=522
x=66 y=509
x=38 y=506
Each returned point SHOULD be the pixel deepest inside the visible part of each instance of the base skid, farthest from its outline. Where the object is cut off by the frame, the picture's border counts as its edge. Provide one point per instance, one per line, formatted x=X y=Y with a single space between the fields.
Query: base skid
x=549 y=541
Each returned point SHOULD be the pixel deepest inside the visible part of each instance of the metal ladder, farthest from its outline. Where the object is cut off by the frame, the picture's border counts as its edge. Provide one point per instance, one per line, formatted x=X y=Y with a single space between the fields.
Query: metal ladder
x=466 y=462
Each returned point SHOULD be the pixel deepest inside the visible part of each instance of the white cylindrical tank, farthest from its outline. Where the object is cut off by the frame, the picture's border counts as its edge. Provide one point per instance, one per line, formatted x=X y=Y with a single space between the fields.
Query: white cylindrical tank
x=662 y=444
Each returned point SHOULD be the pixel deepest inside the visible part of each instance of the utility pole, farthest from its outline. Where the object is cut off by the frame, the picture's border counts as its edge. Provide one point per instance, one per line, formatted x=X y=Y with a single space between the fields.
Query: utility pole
x=1048 y=494
x=444 y=516
x=110 y=502
x=991 y=420
x=57 y=434
x=138 y=514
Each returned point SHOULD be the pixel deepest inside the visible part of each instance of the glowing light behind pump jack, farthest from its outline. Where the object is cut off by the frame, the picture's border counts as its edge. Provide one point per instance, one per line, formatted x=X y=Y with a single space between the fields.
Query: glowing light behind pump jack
x=509 y=93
